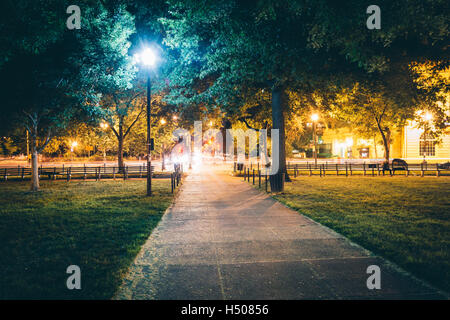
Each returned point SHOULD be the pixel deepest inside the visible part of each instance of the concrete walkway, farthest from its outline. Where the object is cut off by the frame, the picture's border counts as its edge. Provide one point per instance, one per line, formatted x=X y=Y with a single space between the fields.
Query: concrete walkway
x=222 y=239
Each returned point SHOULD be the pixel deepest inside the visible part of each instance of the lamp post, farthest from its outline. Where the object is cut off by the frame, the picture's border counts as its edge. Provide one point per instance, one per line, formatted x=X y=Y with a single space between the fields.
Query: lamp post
x=148 y=58
x=315 y=118
x=104 y=126
x=73 y=145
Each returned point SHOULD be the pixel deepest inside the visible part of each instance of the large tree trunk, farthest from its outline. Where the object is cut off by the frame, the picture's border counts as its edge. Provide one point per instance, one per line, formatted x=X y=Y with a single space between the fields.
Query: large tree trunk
x=385 y=142
x=278 y=101
x=34 y=164
x=120 y=138
x=120 y=152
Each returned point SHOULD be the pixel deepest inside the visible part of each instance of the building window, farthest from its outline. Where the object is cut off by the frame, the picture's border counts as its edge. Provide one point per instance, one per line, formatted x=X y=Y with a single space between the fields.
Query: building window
x=364 y=153
x=427 y=144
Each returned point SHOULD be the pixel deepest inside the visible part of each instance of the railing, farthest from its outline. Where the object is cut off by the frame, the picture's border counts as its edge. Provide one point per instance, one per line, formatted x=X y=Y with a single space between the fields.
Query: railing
x=69 y=172
x=91 y=172
x=350 y=169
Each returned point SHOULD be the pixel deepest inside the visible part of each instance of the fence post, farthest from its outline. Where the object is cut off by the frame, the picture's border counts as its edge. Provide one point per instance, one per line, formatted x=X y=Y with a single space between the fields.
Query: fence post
x=422 y=173
x=351 y=171
x=324 y=173
x=84 y=170
x=320 y=170
x=234 y=166
x=310 y=171
x=295 y=171
x=437 y=171
x=114 y=173
x=69 y=173
x=259 y=177
x=337 y=170
x=23 y=173
x=171 y=181
x=99 y=173
x=140 y=171
x=346 y=169
x=364 y=168
x=5 y=176
x=253 y=176
x=266 y=180
x=378 y=169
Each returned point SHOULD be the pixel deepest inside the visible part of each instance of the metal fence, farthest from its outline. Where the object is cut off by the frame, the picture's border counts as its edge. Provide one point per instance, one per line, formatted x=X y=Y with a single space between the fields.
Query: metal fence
x=349 y=169
x=91 y=172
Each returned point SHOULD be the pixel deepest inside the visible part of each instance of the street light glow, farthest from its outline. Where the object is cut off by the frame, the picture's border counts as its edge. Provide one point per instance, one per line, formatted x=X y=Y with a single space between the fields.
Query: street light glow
x=163 y=121
x=315 y=117
x=103 y=125
x=428 y=116
x=74 y=144
x=147 y=57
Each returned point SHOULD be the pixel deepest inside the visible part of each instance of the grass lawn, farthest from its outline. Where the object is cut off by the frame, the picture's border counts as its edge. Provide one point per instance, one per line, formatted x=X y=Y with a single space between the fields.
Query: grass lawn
x=406 y=220
x=99 y=226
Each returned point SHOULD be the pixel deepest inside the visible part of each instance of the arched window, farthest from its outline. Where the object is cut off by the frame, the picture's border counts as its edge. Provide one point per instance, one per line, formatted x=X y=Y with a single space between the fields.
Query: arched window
x=427 y=144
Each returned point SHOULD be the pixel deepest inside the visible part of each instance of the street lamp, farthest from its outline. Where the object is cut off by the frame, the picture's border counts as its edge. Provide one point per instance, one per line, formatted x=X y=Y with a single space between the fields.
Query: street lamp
x=315 y=118
x=104 y=126
x=148 y=58
x=73 y=145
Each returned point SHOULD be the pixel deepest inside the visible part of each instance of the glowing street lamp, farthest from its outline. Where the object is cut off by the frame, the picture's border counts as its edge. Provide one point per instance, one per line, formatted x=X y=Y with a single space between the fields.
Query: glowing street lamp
x=428 y=116
x=314 y=119
x=73 y=145
x=163 y=121
x=148 y=57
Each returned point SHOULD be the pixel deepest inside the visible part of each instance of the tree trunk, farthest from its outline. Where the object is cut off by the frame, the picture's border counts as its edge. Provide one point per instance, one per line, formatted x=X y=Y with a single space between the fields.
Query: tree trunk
x=385 y=142
x=34 y=164
x=278 y=100
x=120 y=155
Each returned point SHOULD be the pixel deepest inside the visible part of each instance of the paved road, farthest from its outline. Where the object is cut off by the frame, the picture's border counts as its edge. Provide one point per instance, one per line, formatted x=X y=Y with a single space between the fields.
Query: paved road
x=222 y=239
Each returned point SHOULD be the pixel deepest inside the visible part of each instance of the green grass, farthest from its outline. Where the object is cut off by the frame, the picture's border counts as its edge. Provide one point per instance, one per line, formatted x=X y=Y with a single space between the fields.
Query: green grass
x=405 y=219
x=99 y=226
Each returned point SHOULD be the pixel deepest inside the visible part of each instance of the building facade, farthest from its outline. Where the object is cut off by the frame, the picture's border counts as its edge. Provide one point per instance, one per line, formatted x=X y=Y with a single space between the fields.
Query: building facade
x=409 y=143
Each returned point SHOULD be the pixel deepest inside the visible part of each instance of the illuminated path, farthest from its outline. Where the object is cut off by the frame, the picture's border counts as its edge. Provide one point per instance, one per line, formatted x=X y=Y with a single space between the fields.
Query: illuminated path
x=222 y=239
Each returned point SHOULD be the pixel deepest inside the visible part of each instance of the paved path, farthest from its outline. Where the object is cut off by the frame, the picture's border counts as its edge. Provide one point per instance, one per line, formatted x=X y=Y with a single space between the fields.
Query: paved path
x=222 y=239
